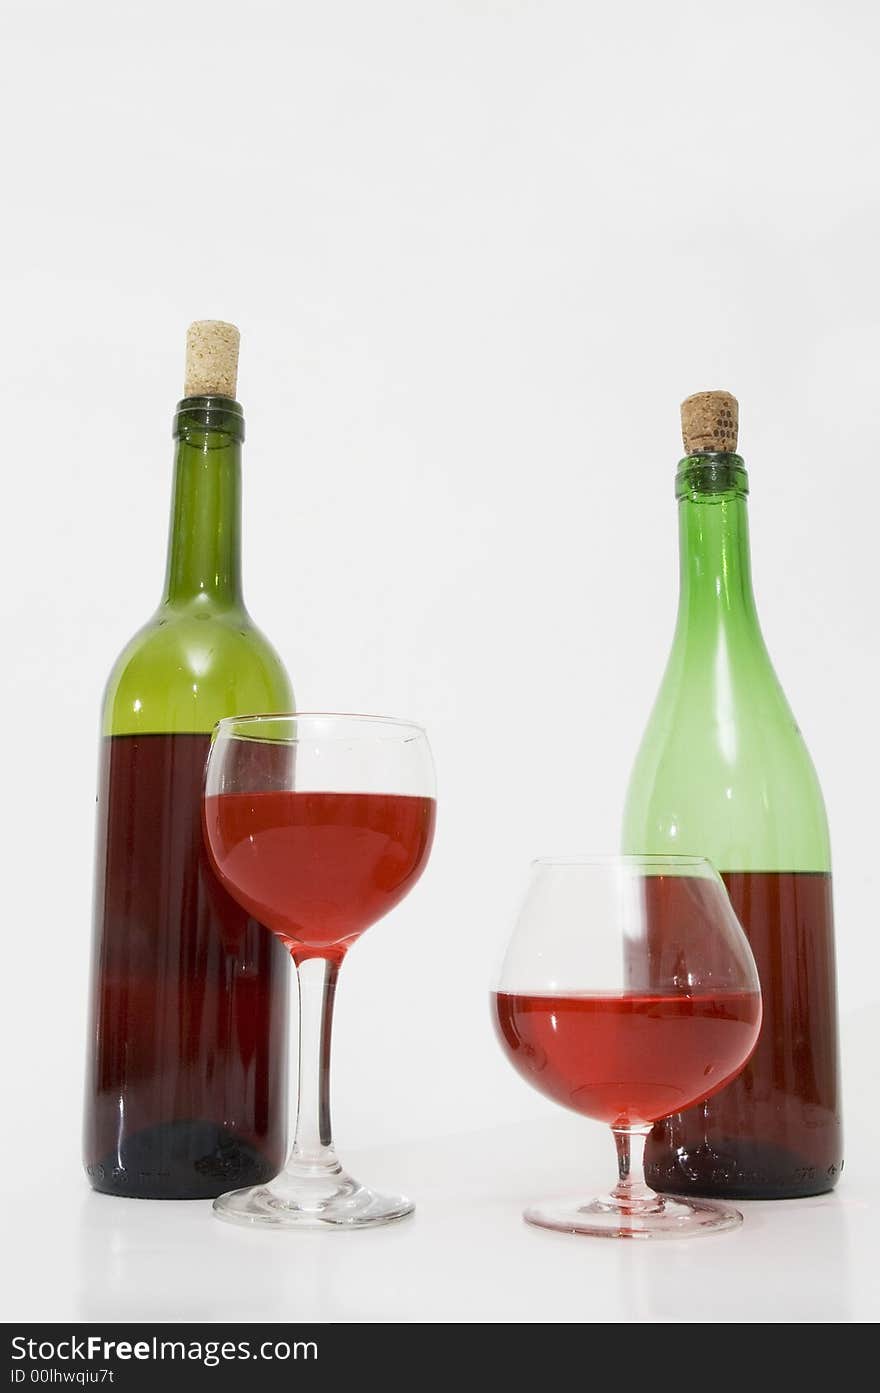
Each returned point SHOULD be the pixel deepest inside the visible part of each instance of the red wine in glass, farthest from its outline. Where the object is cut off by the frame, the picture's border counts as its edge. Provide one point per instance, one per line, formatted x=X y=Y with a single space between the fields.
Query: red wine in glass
x=627 y=1059
x=319 y=867
x=628 y=991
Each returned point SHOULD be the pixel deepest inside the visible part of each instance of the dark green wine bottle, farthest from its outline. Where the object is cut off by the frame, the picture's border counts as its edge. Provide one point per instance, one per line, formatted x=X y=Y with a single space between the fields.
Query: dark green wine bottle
x=186 y=1087
x=723 y=772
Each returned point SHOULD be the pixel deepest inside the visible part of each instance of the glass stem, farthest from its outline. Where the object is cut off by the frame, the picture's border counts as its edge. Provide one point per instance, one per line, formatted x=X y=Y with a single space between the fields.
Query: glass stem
x=630 y=1143
x=312 y=1152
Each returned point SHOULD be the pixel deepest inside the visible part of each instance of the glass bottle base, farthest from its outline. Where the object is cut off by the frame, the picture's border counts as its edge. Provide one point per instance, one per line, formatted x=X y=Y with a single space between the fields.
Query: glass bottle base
x=737 y=1170
x=186 y=1159
x=652 y=1216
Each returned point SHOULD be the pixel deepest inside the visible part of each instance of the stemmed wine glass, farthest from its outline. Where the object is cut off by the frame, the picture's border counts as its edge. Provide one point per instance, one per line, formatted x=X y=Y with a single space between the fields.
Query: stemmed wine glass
x=628 y=991
x=317 y=825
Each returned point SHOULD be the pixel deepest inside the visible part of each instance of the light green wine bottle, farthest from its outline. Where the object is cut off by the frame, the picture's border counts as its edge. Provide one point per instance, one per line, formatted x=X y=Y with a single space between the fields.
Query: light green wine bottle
x=185 y=1093
x=723 y=772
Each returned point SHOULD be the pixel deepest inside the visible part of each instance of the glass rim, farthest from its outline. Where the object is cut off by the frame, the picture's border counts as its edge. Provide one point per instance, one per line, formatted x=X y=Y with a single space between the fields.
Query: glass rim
x=611 y=858
x=257 y=718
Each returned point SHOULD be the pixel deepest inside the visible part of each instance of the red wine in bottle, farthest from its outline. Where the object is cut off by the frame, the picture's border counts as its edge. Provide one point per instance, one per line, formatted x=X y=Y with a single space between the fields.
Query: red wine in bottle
x=723 y=772
x=190 y=993
x=784 y=1130
x=186 y=1077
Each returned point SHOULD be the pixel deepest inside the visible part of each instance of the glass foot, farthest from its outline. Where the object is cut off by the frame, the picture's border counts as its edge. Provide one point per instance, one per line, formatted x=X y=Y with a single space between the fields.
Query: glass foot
x=650 y=1216
x=301 y=1202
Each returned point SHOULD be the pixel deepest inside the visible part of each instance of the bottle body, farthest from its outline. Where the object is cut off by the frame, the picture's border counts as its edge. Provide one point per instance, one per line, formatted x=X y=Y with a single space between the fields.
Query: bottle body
x=723 y=772
x=186 y=1071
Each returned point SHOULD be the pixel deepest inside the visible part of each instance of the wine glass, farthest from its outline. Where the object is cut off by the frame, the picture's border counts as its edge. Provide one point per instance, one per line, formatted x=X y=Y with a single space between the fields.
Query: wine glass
x=318 y=825
x=628 y=991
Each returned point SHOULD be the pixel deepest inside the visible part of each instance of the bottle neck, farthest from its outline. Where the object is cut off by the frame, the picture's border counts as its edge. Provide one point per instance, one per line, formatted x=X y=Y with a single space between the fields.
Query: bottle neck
x=204 y=541
x=714 y=559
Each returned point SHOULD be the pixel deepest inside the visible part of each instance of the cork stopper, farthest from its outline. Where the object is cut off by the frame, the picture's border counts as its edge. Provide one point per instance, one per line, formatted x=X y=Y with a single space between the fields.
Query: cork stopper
x=710 y=421
x=211 y=359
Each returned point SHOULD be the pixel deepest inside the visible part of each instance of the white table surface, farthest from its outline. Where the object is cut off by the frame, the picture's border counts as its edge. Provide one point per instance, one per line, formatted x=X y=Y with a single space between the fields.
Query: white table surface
x=466 y=1254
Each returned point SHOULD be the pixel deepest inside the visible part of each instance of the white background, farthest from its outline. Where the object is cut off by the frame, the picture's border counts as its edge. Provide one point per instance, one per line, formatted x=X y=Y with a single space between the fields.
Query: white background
x=478 y=252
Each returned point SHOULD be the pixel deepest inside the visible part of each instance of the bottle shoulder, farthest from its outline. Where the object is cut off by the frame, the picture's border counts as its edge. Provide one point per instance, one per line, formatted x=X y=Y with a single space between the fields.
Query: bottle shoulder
x=723 y=769
x=723 y=676
x=187 y=668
